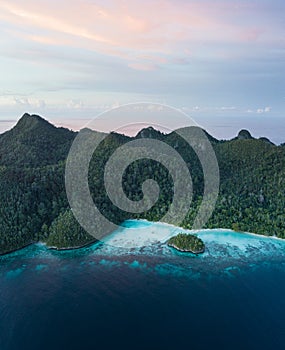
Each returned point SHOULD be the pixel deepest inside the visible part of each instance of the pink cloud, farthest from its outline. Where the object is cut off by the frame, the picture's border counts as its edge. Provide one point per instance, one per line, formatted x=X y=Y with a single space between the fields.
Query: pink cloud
x=143 y=66
x=155 y=29
x=251 y=34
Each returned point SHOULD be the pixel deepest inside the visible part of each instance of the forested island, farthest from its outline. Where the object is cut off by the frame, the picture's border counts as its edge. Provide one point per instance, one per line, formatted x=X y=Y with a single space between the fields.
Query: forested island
x=34 y=206
x=187 y=243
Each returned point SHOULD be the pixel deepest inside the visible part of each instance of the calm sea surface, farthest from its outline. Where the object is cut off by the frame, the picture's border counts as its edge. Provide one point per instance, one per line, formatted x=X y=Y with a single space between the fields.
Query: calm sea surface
x=102 y=297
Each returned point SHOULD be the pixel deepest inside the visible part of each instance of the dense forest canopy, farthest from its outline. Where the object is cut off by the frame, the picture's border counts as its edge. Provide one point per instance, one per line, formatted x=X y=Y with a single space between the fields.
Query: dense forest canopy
x=34 y=206
x=187 y=243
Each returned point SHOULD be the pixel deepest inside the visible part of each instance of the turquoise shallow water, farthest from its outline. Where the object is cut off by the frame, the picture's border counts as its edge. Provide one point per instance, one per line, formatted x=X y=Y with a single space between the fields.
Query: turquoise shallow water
x=115 y=297
x=226 y=252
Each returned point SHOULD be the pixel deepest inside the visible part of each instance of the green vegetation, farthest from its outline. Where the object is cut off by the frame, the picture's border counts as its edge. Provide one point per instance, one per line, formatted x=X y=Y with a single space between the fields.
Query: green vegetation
x=34 y=142
x=33 y=203
x=65 y=232
x=187 y=243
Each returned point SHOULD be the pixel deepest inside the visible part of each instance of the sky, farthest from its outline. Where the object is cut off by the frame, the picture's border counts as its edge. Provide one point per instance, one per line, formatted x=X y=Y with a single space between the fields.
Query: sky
x=220 y=61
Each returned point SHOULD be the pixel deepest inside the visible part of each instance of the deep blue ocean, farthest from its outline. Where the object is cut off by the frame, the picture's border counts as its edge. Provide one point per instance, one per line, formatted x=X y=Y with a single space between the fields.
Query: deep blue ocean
x=102 y=297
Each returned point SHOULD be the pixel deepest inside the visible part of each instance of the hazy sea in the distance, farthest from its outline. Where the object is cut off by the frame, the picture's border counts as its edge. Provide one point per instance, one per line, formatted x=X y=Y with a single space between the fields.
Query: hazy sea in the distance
x=103 y=297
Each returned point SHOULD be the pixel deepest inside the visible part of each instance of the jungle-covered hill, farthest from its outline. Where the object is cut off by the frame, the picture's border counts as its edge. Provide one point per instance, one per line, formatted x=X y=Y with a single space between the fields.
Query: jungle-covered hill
x=33 y=203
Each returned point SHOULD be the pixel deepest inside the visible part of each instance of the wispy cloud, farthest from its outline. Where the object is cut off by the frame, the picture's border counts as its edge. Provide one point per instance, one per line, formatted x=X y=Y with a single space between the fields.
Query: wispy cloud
x=64 y=57
x=29 y=102
x=143 y=66
x=122 y=27
x=263 y=110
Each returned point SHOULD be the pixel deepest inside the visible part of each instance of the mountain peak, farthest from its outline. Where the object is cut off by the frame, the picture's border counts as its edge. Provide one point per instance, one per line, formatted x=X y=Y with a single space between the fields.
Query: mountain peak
x=244 y=135
x=33 y=141
x=29 y=121
x=148 y=132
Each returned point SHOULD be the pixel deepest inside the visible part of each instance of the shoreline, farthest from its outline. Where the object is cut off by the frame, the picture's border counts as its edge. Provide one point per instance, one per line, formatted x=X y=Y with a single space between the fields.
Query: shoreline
x=17 y=249
x=186 y=250
x=195 y=231
x=240 y=232
x=155 y=222
x=73 y=248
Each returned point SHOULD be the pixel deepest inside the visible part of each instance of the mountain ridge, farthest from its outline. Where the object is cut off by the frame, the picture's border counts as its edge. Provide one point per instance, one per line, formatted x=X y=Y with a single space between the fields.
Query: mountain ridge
x=34 y=206
x=148 y=131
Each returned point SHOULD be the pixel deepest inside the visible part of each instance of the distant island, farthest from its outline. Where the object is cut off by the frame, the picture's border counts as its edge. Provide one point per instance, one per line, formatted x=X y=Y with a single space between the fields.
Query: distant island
x=188 y=243
x=34 y=206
